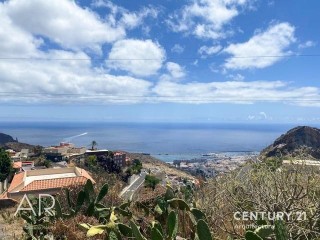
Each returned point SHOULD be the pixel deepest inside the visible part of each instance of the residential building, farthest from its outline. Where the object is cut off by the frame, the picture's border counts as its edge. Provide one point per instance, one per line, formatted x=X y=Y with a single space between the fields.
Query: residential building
x=76 y=151
x=46 y=181
x=17 y=166
x=119 y=159
x=97 y=153
x=62 y=152
x=23 y=166
x=24 y=154
x=27 y=165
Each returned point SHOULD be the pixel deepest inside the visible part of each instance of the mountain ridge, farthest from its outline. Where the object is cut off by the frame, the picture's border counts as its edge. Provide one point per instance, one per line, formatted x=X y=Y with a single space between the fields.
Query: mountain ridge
x=299 y=142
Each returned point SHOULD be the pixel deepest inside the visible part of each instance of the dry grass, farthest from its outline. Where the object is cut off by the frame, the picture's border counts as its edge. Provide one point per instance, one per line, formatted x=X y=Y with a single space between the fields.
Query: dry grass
x=69 y=228
x=289 y=189
x=10 y=226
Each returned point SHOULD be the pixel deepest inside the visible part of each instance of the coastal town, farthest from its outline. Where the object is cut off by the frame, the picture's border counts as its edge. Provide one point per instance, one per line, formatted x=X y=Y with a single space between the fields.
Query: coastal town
x=136 y=178
x=52 y=168
x=214 y=164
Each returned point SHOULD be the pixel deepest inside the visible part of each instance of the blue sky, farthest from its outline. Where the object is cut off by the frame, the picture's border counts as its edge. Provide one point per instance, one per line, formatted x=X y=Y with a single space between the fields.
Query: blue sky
x=247 y=61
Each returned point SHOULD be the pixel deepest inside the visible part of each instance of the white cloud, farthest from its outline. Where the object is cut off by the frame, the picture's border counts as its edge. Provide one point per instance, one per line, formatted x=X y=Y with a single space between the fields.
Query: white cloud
x=306 y=44
x=71 y=81
x=134 y=19
x=127 y=19
x=175 y=72
x=147 y=57
x=206 y=18
x=177 y=48
x=50 y=80
x=64 y=22
x=236 y=77
x=66 y=81
x=254 y=53
x=237 y=92
x=205 y=50
x=15 y=42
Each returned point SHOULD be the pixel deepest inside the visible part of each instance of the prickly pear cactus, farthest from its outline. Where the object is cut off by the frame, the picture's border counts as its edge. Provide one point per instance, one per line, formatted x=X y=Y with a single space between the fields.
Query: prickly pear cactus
x=281 y=231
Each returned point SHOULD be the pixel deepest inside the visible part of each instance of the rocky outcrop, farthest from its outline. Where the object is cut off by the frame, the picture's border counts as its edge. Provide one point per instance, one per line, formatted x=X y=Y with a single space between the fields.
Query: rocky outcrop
x=7 y=142
x=300 y=142
x=4 y=138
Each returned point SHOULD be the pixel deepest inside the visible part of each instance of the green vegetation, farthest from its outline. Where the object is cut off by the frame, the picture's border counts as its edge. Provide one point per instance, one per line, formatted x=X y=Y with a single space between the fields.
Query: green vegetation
x=207 y=212
x=117 y=222
x=47 y=163
x=5 y=165
x=91 y=161
x=260 y=188
x=189 y=213
x=136 y=166
x=37 y=150
x=264 y=232
x=151 y=181
x=272 y=163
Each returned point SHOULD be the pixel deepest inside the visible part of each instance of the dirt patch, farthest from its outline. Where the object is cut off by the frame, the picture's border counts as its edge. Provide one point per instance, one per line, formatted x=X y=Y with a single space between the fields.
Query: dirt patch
x=10 y=226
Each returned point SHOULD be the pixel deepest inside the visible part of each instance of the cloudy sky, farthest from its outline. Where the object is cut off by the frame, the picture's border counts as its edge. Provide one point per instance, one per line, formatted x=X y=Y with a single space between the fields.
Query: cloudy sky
x=164 y=61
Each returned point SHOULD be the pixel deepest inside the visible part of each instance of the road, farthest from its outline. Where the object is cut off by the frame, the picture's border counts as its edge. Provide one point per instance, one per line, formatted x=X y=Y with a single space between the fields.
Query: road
x=128 y=192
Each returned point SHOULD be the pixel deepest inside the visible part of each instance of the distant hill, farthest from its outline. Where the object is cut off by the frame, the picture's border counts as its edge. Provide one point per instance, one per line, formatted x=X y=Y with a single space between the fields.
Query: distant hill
x=4 y=138
x=301 y=142
x=7 y=142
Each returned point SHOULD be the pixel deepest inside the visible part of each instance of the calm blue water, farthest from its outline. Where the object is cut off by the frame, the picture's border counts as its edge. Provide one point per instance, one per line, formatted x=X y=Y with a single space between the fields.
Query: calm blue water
x=160 y=139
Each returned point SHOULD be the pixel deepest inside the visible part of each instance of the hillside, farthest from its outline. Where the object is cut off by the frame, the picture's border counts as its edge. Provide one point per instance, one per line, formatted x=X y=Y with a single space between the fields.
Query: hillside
x=4 y=138
x=301 y=142
x=150 y=162
x=7 y=142
x=17 y=146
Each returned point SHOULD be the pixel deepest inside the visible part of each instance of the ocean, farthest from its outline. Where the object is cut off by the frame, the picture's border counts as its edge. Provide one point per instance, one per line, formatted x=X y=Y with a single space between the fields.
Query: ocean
x=166 y=141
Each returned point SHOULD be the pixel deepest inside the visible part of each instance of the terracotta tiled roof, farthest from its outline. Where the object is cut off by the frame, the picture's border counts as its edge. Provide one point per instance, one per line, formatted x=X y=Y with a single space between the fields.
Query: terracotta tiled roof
x=16 y=181
x=54 y=183
x=85 y=174
x=17 y=164
x=19 y=180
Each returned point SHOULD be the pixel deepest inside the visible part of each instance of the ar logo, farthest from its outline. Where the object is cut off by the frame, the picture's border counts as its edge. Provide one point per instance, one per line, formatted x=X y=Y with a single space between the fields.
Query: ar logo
x=30 y=208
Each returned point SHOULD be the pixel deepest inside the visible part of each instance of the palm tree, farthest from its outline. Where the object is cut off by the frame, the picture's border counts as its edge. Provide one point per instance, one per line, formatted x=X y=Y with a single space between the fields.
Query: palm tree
x=93 y=145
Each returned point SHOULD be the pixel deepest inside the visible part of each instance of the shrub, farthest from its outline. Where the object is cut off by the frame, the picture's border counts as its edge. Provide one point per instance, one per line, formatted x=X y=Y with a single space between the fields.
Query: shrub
x=289 y=189
x=151 y=181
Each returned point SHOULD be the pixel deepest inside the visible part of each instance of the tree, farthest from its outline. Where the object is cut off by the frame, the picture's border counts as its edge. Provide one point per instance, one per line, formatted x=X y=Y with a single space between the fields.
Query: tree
x=136 y=166
x=92 y=160
x=47 y=163
x=37 y=150
x=5 y=165
x=151 y=181
x=93 y=145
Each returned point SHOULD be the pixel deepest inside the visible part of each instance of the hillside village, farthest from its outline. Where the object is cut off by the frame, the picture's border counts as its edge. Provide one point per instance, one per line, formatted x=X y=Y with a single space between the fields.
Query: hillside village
x=46 y=166
x=144 y=181
x=50 y=169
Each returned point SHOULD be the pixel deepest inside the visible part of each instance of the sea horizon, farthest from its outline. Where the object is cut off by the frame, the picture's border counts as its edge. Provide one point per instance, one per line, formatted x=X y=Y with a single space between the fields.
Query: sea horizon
x=166 y=141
